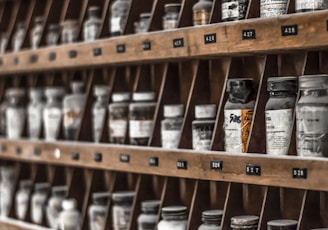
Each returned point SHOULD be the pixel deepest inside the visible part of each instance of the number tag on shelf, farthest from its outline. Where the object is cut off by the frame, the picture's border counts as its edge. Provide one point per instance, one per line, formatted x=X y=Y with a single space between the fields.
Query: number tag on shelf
x=72 y=54
x=248 y=34
x=291 y=30
x=299 y=173
x=1 y=62
x=209 y=38
x=216 y=165
x=120 y=48
x=33 y=58
x=125 y=158
x=146 y=45
x=52 y=56
x=3 y=148
x=97 y=52
x=75 y=156
x=181 y=164
x=37 y=151
x=178 y=43
x=97 y=157
x=18 y=150
x=16 y=60
x=253 y=170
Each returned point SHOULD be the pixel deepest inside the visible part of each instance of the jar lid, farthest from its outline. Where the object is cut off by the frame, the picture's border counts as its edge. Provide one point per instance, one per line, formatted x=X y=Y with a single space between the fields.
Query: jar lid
x=21 y=25
x=174 y=210
x=26 y=184
x=39 y=20
x=173 y=110
x=238 y=83
x=279 y=224
x=101 y=90
x=69 y=204
x=54 y=91
x=59 y=190
x=172 y=8
x=212 y=215
x=143 y=96
x=123 y=196
x=244 y=220
x=205 y=111
x=42 y=187
x=77 y=87
x=94 y=11
x=101 y=198
x=54 y=27
x=36 y=93
x=15 y=92
x=70 y=22
x=319 y=81
x=150 y=206
x=121 y=97
x=145 y=15
x=282 y=84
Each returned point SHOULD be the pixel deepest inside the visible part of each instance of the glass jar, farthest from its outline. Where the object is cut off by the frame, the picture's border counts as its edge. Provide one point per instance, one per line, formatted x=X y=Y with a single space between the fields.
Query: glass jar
x=7 y=186
x=233 y=10
x=279 y=112
x=141 y=117
x=143 y=25
x=171 y=126
x=211 y=220
x=172 y=15
x=36 y=32
x=70 y=218
x=203 y=126
x=101 y=92
x=98 y=211
x=18 y=37
x=122 y=209
x=119 y=12
x=52 y=113
x=15 y=113
x=238 y=114
x=53 y=34
x=70 y=31
x=310 y=5
x=34 y=112
x=118 y=117
x=38 y=202
x=22 y=198
x=3 y=116
x=202 y=12
x=3 y=42
x=269 y=8
x=244 y=222
x=282 y=225
x=147 y=220
x=311 y=116
x=91 y=27
x=174 y=217
x=54 y=207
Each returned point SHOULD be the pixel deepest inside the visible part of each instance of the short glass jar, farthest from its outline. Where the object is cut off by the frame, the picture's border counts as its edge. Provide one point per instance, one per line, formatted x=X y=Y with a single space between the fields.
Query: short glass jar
x=202 y=12
x=143 y=24
x=211 y=220
x=310 y=5
x=119 y=11
x=22 y=198
x=70 y=218
x=244 y=222
x=233 y=10
x=70 y=31
x=98 y=211
x=174 y=217
x=38 y=202
x=91 y=27
x=203 y=126
x=54 y=207
x=122 y=209
x=53 y=34
x=283 y=224
x=18 y=37
x=36 y=32
x=269 y=8
x=34 y=112
x=148 y=219
x=172 y=16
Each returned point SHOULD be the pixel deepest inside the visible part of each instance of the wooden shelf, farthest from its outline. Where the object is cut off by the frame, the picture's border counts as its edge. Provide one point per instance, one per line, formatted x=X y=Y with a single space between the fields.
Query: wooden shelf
x=12 y=224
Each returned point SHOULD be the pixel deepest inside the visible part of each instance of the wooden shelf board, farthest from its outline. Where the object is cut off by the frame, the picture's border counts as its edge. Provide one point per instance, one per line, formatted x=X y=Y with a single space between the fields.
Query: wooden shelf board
x=12 y=224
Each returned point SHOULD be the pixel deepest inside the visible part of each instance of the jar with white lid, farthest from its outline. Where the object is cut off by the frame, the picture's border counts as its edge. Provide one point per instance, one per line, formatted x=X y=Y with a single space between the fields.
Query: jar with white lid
x=91 y=27
x=244 y=222
x=7 y=186
x=22 y=198
x=203 y=126
x=99 y=109
x=172 y=15
x=171 y=126
x=283 y=224
x=98 y=210
x=174 y=217
x=119 y=11
x=310 y=5
x=36 y=32
x=38 y=202
x=53 y=34
x=202 y=12
x=34 y=112
x=148 y=219
x=118 y=117
x=18 y=37
x=311 y=116
x=70 y=218
x=122 y=209
x=141 y=117
x=70 y=31
x=211 y=220
x=54 y=207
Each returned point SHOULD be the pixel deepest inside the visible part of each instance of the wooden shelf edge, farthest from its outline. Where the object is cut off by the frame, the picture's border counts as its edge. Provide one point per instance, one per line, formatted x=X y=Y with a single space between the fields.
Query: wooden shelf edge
x=275 y=171
x=12 y=224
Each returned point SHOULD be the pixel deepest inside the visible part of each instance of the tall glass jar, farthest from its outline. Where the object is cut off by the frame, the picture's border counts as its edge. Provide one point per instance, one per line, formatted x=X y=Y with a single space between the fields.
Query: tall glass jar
x=15 y=113
x=34 y=112
x=98 y=211
x=36 y=32
x=7 y=186
x=22 y=198
x=174 y=217
x=70 y=218
x=172 y=15
x=211 y=220
x=3 y=42
x=54 y=207
x=279 y=111
x=118 y=117
x=38 y=202
x=18 y=37
x=101 y=92
x=244 y=222
x=142 y=25
x=53 y=34
x=119 y=11
x=202 y=12
x=310 y=5
x=147 y=220
x=122 y=209
x=91 y=27
x=232 y=10
x=238 y=114
x=70 y=31
x=283 y=224
x=311 y=116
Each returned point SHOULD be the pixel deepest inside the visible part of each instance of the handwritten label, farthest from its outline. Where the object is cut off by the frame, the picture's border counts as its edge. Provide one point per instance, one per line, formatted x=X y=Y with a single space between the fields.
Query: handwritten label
x=216 y=165
x=52 y=56
x=299 y=173
x=253 y=170
x=178 y=43
x=97 y=157
x=4 y=148
x=18 y=150
x=248 y=34
x=120 y=48
x=125 y=158
x=33 y=58
x=97 y=52
x=153 y=161
x=146 y=46
x=72 y=53
x=37 y=151
x=209 y=38
x=16 y=61
x=75 y=156
x=291 y=30
x=181 y=164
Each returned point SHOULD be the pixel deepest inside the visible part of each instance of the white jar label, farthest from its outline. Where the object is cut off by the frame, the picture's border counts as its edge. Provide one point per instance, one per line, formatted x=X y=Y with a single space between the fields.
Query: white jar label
x=121 y=217
x=140 y=128
x=22 y=202
x=271 y=8
x=115 y=25
x=279 y=125
x=170 y=138
x=34 y=121
x=237 y=125
x=15 y=122
x=230 y=10
x=309 y=4
x=98 y=121
x=118 y=128
x=312 y=131
x=37 y=212
x=6 y=193
x=52 y=121
x=170 y=24
x=201 y=139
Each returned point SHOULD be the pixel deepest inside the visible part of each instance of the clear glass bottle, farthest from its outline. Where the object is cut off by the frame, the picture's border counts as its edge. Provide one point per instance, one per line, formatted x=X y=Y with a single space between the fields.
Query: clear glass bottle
x=211 y=220
x=118 y=117
x=38 y=202
x=53 y=34
x=54 y=206
x=279 y=111
x=36 y=32
x=3 y=116
x=99 y=109
x=98 y=211
x=22 y=198
x=244 y=222
x=232 y=10
x=174 y=217
x=172 y=16
x=70 y=31
x=34 y=112
x=171 y=126
x=202 y=12
x=52 y=113
x=143 y=24
x=70 y=218
x=310 y=5
x=269 y=8
x=15 y=113
x=3 y=42
x=148 y=219
x=203 y=126
x=238 y=114
x=141 y=117
x=7 y=186
x=91 y=27
x=283 y=224
x=119 y=11
x=311 y=116
x=122 y=209
x=18 y=37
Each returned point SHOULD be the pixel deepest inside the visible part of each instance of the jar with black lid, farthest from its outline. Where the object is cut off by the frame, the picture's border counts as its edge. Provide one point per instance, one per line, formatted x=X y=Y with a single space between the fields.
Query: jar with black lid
x=244 y=222
x=211 y=220
x=172 y=15
x=232 y=10
x=282 y=224
x=98 y=210
x=202 y=12
x=279 y=112
x=310 y=5
x=142 y=25
x=122 y=209
x=147 y=220
x=119 y=11
x=238 y=114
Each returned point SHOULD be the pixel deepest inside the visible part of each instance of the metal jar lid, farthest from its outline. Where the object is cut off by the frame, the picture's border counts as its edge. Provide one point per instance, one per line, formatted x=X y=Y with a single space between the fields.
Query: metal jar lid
x=42 y=187
x=121 y=97
x=94 y=11
x=173 y=110
x=143 y=96
x=54 y=92
x=150 y=206
x=283 y=224
x=101 y=90
x=123 y=197
x=101 y=198
x=212 y=216
x=205 y=111
x=15 y=92
x=172 y=8
x=247 y=220
x=26 y=184
x=282 y=84
x=319 y=81
x=174 y=211
x=145 y=15
x=60 y=191
x=36 y=93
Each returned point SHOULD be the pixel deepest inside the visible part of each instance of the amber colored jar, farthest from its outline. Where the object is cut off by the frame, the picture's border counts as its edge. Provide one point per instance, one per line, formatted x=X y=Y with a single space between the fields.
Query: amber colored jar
x=171 y=17
x=202 y=12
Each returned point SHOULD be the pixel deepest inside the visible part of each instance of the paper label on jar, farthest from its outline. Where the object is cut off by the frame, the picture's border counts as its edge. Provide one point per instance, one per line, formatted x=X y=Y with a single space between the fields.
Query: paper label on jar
x=34 y=121
x=22 y=202
x=279 y=125
x=52 y=121
x=140 y=128
x=16 y=120
x=230 y=10
x=237 y=125
x=118 y=128
x=170 y=138
x=271 y=8
x=121 y=217
x=309 y=4
x=201 y=17
x=115 y=24
x=6 y=193
x=312 y=131
x=170 y=24
x=201 y=138
x=91 y=32
x=98 y=121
